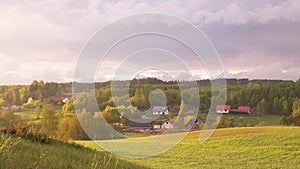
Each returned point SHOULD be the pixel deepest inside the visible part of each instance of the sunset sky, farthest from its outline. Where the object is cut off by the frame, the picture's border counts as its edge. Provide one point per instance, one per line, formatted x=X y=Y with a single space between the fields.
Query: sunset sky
x=42 y=39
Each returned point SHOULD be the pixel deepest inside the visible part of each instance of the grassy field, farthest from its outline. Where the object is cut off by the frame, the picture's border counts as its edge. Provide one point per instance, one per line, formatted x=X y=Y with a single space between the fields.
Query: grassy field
x=269 y=120
x=250 y=120
x=249 y=147
x=16 y=153
x=246 y=147
x=27 y=114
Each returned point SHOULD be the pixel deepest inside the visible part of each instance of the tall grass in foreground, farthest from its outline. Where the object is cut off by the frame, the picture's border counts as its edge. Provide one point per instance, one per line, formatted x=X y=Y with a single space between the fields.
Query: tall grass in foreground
x=104 y=162
x=7 y=146
x=24 y=154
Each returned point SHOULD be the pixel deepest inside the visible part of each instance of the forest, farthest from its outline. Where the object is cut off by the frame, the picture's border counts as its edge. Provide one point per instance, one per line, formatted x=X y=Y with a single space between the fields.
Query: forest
x=263 y=96
x=53 y=103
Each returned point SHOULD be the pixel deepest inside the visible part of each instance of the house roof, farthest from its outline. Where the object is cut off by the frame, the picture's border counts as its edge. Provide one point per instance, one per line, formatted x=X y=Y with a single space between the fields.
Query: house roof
x=223 y=107
x=167 y=119
x=160 y=108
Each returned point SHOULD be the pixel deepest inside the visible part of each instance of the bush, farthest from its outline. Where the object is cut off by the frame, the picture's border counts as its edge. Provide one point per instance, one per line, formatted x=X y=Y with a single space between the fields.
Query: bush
x=283 y=121
x=230 y=121
x=262 y=123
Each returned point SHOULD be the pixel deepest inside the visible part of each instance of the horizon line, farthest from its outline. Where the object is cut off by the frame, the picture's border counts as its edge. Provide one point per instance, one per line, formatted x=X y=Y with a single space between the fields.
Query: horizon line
x=249 y=79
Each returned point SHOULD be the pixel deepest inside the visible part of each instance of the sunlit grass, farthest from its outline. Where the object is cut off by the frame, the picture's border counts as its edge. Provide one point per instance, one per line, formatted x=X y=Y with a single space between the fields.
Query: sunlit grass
x=23 y=154
x=249 y=147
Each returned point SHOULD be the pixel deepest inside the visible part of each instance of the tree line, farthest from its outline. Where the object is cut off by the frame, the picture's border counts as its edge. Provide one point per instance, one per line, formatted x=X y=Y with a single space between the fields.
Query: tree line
x=263 y=96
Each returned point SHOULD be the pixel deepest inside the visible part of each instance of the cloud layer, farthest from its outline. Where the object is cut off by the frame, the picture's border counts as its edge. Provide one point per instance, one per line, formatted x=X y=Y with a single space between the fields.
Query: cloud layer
x=42 y=39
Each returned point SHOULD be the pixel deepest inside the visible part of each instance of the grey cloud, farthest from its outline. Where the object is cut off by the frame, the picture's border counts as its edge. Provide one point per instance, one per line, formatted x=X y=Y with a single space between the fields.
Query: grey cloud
x=247 y=34
x=273 y=71
x=256 y=44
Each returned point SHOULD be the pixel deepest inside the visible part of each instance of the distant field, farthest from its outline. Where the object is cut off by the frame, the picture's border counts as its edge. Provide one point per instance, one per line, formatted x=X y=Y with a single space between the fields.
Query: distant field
x=250 y=120
x=248 y=147
x=270 y=120
x=27 y=114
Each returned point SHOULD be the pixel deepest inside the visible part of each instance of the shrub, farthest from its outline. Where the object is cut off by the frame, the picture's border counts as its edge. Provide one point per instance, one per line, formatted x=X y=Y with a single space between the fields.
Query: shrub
x=283 y=121
x=262 y=123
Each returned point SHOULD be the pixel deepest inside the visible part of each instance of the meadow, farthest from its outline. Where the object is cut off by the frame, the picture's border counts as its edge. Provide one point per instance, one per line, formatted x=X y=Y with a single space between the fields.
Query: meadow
x=251 y=120
x=245 y=147
x=248 y=147
x=26 y=114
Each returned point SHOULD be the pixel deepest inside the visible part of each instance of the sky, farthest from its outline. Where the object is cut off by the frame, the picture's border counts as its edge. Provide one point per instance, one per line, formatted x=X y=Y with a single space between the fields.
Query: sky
x=41 y=40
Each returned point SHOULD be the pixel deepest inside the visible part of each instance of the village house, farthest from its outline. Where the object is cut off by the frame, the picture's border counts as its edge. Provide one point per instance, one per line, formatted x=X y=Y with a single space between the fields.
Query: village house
x=167 y=124
x=160 y=110
x=225 y=109
x=193 y=125
x=221 y=109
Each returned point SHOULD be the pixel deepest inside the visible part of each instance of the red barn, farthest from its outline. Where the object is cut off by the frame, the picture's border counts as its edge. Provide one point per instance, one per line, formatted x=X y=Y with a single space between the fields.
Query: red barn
x=244 y=109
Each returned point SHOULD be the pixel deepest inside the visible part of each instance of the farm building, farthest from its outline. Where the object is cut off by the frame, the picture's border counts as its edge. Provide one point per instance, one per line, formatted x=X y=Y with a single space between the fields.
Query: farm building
x=167 y=124
x=223 y=109
x=160 y=110
x=193 y=125
x=241 y=110
x=244 y=109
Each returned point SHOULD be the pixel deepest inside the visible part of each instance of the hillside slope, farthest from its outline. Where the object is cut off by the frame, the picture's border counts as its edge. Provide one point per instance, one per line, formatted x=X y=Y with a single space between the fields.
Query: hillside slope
x=16 y=153
x=253 y=147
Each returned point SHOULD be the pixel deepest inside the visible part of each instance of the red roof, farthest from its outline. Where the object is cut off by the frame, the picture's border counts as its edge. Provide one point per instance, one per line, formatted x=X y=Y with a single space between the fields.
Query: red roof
x=223 y=107
x=243 y=108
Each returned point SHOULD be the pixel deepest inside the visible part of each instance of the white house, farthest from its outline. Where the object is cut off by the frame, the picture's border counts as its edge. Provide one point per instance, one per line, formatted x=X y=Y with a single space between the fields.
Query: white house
x=160 y=110
x=167 y=124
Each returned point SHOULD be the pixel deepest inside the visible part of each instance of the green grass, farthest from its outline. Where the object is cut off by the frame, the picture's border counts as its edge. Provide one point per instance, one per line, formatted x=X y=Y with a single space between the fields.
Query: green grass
x=249 y=147
x=23 y=154
x=26 y=114
x=270 y=120
x=250 y=120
